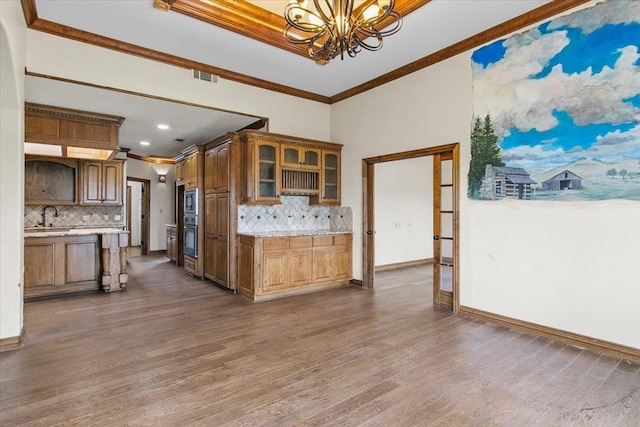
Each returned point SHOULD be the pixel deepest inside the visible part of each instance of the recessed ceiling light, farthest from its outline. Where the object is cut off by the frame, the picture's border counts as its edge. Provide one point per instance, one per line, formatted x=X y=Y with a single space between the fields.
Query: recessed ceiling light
x=144 y=143
x=163 y=127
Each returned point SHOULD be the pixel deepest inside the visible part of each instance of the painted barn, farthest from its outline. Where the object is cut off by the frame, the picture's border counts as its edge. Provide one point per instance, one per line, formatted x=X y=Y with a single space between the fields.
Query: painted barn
x=502 y=181
x=565 y=180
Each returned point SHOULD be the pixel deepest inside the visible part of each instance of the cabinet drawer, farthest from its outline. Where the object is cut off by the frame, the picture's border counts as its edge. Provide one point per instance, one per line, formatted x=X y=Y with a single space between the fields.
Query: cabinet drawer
x=300 y=242
x=190 y=264
x=323 y=241
x=342 y=239
x=276 y=243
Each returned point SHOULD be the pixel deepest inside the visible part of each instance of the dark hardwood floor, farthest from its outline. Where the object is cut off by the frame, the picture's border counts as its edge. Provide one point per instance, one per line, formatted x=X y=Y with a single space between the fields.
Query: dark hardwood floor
x=175 y=351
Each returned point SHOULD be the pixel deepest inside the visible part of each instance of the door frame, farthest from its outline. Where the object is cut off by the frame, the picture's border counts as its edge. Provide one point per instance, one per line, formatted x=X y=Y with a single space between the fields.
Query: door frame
x=368 y=214
x=146 y=211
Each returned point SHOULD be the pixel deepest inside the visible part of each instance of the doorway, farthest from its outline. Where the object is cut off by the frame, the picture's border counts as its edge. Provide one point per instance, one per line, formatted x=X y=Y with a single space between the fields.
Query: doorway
x=446 y=186
x=138 y=208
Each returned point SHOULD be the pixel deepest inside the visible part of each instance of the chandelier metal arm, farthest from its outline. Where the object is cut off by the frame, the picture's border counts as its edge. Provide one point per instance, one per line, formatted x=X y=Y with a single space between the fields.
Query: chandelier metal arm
x=336 y=30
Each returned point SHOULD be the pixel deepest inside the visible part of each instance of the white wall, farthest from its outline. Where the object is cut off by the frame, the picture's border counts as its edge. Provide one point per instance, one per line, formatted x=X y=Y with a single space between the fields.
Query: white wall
x=12 y=61
x=51 y=55
x=403 y=210
x=135 y=232
x=508 y=263
x=162 y=207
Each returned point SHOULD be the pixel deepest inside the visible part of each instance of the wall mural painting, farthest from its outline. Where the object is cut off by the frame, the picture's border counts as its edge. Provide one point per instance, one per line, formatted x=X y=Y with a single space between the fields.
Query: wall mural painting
x=557 y=109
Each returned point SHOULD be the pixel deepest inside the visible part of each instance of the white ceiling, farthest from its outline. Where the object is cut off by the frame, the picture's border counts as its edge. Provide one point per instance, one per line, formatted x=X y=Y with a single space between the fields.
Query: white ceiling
x=434 y=26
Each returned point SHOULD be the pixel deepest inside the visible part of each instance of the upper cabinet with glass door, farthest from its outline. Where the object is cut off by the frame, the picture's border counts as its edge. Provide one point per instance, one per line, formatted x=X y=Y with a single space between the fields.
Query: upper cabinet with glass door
x=296 y=157
x=275 y=165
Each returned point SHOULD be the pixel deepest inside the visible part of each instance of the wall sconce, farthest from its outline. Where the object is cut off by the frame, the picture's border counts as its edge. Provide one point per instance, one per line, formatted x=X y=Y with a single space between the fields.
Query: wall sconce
x=162 y=178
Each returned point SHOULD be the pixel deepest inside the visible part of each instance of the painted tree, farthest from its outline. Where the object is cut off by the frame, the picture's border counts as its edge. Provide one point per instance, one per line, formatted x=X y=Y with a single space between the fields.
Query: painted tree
x=612 y=172
x=484 y=151
x=623 y=173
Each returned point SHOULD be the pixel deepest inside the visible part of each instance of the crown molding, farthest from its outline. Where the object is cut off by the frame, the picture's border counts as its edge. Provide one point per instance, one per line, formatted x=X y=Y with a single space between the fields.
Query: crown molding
x=539 y=14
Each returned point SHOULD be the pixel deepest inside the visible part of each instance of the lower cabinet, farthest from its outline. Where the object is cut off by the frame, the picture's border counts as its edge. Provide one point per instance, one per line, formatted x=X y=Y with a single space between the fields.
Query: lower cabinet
x=276 y=266
x=172 y=243
x=191 y=265
x=55 y=265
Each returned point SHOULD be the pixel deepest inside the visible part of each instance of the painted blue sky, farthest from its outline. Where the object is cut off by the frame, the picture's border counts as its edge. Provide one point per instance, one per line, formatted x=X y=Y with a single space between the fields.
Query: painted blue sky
x=569 y=88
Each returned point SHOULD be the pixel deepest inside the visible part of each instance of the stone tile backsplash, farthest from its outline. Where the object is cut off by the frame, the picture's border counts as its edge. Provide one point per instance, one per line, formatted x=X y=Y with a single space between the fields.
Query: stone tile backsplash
x=74 y=216
x=294 y=214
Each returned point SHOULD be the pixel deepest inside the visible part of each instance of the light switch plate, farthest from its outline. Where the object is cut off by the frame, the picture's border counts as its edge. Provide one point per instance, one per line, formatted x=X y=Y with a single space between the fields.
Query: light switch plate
x=116 y=217
x=106 y=217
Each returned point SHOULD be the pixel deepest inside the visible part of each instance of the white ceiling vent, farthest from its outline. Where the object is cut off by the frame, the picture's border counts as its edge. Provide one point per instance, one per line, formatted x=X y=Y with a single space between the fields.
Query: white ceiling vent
x=206 y=76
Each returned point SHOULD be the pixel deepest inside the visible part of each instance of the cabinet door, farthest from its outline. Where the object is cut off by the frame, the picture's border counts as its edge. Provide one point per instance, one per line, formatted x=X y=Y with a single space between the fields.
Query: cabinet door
x=330 y=181
x=210 y=170
x=180 y=172
x=300 y=262
x=210 y=256
x=191 y=171
x=91 y=182
x=267 y=171
x=210 y=214
x=296 y=157
x=342 y=266
x=222 y=168
x=222 y=238
x=275 y=267
x=112 y=183
x=322 y=264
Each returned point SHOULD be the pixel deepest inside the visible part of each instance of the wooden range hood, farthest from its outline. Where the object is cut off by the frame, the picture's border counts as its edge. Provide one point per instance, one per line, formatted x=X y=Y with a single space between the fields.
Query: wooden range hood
x=61 y=132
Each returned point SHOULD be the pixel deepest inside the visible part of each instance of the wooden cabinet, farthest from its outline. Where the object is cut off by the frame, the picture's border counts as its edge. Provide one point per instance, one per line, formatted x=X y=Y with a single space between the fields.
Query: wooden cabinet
x=50 y=181
x=189 y=167
x=76 y=132
x=297 y=157
x=330 y=185
x=216 y=166
x=70 y=182
x=172 y=243
x=101 y=183
x=191 y=171
x=262 y=172
x=180 y=172
x=216 y=251
x=54 y=265
x=191 y=265
x=275 y=165
x=277 y=266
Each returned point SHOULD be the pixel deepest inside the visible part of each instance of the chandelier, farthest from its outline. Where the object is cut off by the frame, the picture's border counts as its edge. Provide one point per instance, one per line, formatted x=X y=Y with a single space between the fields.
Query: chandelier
x=332 y=27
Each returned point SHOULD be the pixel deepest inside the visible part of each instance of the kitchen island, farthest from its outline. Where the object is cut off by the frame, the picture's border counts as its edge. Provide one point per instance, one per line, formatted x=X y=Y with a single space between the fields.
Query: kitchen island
x=64 y=260
x=274 y=264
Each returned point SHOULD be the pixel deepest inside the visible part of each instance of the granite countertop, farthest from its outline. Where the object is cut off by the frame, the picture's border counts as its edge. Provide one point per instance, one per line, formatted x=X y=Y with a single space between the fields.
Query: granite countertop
x=59 y=232
x=292 y=233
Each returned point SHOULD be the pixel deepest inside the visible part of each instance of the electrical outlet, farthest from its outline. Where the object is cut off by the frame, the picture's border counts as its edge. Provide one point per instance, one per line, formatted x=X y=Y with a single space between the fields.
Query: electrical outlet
x=116 y=217
x=106 y=217
x=85 y=217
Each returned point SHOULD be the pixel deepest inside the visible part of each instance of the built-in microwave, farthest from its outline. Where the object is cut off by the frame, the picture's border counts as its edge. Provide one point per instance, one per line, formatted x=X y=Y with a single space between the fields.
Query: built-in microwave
x=191 y=202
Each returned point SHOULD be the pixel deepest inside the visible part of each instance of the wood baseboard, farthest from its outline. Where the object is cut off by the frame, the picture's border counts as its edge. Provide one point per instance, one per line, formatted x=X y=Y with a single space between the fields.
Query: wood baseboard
x=355 y=282
x=13 y=343
x=398 y=265
x=581 y=341
x=158 y=252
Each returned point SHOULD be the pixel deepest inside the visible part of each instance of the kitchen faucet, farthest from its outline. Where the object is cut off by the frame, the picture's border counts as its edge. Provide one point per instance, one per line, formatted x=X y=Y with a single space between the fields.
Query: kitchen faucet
x=44 y=215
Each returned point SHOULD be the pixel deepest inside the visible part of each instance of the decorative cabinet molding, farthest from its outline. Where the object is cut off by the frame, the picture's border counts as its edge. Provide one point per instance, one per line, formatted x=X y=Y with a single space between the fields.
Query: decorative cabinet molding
x=271 y=267
x=71 y=128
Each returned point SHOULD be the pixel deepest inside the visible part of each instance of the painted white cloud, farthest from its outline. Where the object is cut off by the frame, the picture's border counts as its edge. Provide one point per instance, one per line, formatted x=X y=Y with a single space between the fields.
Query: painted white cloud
x=616 y=144
x=589 y=20
x=531 y=153
x=508 y=92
